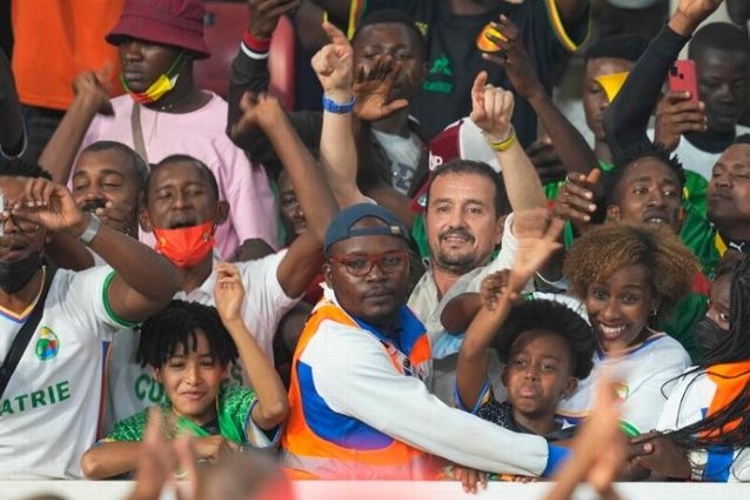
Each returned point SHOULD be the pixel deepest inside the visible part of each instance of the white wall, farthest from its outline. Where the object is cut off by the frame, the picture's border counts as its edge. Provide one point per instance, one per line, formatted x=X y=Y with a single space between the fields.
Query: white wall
x=380 y=490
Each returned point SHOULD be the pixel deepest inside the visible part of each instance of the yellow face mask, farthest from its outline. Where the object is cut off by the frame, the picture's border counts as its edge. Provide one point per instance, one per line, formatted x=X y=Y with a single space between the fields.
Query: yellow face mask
x=160 y=87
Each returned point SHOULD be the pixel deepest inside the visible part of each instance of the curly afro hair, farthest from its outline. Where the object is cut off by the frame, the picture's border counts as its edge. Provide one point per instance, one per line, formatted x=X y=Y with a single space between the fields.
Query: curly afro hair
x=177 y=325
x=603 y=250
x=554 y=317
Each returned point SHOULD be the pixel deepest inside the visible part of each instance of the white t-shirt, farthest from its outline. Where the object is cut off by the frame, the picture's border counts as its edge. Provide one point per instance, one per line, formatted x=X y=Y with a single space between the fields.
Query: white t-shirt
x=688 y=404
x=696 y=159
x=132 y=388
x=50 y=409
x=404 y=154
x=647 y=375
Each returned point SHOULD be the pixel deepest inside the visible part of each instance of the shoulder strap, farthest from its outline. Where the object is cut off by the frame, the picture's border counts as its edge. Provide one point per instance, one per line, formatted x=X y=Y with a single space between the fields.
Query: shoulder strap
x=24 y=334
x=135 y=124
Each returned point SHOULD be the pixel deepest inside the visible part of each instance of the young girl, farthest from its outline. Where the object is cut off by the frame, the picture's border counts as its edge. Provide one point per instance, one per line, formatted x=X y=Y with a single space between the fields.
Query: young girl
x=189 y=347
x=705 y=422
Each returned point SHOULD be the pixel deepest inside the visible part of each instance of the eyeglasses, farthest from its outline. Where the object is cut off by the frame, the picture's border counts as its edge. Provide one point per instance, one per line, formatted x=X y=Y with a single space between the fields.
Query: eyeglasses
x=361 y=265
x=24 y=225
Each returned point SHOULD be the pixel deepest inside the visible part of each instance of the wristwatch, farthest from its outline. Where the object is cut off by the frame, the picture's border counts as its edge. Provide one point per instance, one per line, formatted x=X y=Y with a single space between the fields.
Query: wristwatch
x=698 y=460
x=91 y=230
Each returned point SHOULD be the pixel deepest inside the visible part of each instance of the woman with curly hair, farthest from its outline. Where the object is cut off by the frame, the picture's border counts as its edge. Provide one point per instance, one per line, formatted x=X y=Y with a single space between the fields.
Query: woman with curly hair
x=629 y=277
x=705 y=424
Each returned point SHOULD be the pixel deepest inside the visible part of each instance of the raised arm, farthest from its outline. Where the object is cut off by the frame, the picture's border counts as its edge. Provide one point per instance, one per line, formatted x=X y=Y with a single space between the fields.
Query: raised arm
x=305 y=256
x=249 y=73
x=272 y=406
x=338 y=153
x=498 y=293
x=145 y=282
x=626 y=119
x=492 y=110
x=569 y=144
x=91 y=97
x=12 y=138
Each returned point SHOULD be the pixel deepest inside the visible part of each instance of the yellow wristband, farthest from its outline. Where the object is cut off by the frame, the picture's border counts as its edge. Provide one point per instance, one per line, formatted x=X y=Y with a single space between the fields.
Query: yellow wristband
x=505 y=144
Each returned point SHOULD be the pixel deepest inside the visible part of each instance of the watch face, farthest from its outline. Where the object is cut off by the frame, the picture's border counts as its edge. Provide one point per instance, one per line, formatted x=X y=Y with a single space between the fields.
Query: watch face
x=698 y=458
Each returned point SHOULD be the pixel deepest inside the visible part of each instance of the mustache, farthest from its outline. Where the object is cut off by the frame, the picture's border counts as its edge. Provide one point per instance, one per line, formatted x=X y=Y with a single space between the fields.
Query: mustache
x=91 y=206
x=464 y=233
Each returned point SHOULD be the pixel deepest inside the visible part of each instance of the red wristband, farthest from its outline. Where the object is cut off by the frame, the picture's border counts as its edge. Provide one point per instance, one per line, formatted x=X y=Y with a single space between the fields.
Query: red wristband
x=255 y=44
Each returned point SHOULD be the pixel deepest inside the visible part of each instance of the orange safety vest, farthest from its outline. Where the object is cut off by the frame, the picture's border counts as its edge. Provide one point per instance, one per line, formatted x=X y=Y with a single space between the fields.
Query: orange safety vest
x=308 y=455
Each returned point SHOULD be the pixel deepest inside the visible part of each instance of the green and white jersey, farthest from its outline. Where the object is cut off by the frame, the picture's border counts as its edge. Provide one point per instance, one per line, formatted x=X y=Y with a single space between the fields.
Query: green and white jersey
x=131 y=388
x=50 y=409
x=234 y=407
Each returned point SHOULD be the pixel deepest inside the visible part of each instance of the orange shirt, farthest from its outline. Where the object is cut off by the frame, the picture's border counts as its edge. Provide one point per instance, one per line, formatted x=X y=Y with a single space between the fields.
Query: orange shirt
x=57 y=39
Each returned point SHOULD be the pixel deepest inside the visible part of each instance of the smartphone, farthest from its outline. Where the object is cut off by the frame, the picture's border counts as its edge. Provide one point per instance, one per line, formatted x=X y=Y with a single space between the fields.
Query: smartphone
x=684 y=78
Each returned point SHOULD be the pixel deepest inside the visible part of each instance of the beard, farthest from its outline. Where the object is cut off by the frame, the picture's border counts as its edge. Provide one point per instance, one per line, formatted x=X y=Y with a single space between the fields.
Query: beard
x=458 y=262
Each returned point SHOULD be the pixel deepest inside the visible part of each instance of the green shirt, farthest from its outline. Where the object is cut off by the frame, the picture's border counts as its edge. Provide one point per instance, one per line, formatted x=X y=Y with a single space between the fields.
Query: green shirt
x=233 y=413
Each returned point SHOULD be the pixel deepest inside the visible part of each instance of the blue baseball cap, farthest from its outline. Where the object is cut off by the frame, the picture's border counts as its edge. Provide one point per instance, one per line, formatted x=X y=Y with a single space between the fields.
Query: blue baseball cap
x=340 y=227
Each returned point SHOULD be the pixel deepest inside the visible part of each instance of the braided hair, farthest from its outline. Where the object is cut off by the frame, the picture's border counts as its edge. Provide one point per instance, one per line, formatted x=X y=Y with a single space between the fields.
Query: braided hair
x=711 y=430
x=178 y=325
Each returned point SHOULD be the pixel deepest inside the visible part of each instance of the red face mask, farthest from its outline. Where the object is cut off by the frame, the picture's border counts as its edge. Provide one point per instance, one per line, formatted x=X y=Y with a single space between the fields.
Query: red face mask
x=187 y=246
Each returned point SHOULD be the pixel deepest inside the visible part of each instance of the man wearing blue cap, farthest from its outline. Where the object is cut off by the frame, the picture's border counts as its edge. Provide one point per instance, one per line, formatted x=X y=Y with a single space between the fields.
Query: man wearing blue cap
x=360 y=407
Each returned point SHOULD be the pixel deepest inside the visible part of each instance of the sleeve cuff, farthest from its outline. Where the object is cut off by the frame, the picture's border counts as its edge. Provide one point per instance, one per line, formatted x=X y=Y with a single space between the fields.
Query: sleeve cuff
x=484 y=395
x=255 y=48
x=557 y=455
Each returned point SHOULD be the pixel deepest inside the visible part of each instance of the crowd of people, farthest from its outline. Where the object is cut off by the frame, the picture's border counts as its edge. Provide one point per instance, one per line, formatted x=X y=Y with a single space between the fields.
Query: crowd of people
x=434 y=276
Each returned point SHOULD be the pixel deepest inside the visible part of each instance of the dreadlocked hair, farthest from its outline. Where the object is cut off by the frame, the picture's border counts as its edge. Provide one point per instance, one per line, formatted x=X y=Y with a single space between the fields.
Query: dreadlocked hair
x=629 y=157
x=606 y=249
x=178 y=325
x=711 y=430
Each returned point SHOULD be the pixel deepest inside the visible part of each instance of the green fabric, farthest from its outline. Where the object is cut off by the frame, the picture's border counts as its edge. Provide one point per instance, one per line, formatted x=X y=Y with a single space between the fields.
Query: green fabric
x=681 y=323
x=233 y=412
x=419 y=233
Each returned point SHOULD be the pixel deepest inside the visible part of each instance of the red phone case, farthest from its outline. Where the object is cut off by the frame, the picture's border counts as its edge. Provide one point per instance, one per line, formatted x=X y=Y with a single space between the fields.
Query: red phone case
x=683 y=78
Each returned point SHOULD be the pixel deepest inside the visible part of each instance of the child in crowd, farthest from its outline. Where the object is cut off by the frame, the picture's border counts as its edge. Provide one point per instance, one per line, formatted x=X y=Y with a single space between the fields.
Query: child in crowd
x=189 y=347
x=546 y=348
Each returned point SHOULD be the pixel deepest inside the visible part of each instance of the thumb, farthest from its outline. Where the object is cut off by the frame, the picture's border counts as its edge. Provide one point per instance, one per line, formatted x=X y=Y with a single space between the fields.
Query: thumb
x=593 y=176
x=396 y=105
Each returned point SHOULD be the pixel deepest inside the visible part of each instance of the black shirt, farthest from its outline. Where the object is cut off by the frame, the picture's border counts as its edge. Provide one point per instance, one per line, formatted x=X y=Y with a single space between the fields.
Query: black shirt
x=454 y=59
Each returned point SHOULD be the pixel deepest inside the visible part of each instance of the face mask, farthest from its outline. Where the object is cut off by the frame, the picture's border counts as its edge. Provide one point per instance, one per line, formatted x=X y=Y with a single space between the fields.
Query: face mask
x=187 y=246
x=161 y=86
x=15 y=275
x=709 y=335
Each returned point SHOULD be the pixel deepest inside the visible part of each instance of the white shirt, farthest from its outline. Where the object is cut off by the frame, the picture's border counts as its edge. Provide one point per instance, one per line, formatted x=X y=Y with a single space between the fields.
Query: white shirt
x=688 y=404
x=428 y=307
x=696 y=159
x=646 y=376
x=354 y=376
x=132 y=388
x=49 y=412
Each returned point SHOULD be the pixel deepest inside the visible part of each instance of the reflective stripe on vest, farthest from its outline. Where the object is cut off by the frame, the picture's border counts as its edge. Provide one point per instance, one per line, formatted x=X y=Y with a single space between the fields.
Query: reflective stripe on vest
x=309 y=455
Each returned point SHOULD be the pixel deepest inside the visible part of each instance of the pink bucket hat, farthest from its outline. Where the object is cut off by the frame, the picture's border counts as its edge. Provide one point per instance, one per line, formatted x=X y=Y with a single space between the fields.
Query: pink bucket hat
x=169 y=22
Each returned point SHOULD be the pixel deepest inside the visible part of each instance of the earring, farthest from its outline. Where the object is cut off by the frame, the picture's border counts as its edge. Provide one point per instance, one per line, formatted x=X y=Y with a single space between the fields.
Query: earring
x=654 y=312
